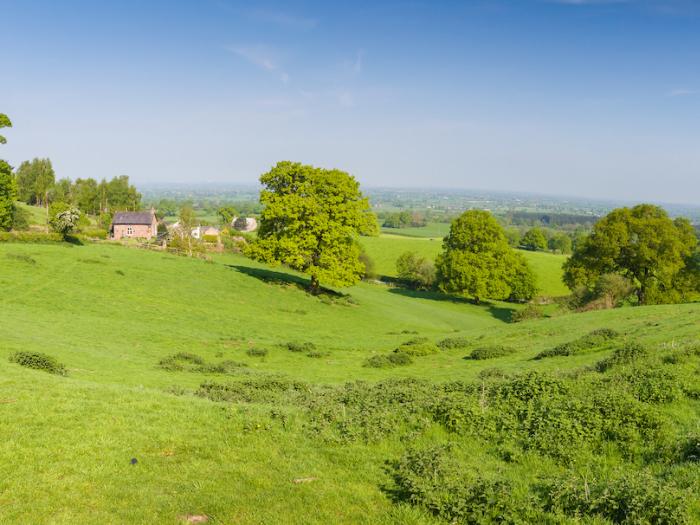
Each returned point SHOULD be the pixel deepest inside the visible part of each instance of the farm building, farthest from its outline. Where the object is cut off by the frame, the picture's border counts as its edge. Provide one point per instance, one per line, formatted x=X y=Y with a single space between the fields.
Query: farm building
x=244 y=224
x=134 y=224
x=200 y=232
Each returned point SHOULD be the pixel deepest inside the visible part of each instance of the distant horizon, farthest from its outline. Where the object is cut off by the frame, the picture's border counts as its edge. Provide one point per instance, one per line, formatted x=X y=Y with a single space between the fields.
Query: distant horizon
x=595 y=98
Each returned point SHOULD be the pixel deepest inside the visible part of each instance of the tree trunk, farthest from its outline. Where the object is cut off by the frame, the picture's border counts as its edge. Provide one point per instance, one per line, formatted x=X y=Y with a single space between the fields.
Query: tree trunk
x=314 y=286
x=641 y=295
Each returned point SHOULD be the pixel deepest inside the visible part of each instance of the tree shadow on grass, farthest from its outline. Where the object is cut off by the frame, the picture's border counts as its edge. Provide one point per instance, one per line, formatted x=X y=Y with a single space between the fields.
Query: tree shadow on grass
x=502 y=313
x=285 y=279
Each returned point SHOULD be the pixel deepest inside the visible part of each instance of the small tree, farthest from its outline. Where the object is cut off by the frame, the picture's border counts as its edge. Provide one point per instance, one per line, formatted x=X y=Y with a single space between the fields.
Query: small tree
x=311 y=221
x=63 y=218
x=534 y=240
x=477 y=261
x=415 y=269
x=187 y=220
x=226 y=214
x=560 y=242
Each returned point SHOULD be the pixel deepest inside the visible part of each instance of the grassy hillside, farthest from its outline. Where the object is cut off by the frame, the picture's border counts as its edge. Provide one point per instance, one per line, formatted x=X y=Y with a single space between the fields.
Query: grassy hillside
x=386 y=248
x=36 y=215
x=261 y=443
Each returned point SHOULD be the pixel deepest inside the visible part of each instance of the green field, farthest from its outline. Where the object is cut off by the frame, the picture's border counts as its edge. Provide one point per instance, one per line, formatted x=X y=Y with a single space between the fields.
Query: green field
x=436 y=230
x=385 y=249
x=111 y=314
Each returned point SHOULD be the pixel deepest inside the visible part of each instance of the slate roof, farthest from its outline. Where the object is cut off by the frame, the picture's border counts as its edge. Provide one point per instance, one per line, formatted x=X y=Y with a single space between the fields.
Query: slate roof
x=133 y=217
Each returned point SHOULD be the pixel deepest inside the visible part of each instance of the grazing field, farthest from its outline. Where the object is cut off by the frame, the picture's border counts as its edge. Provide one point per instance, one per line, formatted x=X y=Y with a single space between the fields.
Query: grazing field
x=244 y=427
x=435 y=230
x=385 y=249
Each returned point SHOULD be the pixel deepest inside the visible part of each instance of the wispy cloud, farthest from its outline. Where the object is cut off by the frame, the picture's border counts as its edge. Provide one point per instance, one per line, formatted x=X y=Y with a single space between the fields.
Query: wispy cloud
x=682 y=92
x=282 y=19
x=262 y=57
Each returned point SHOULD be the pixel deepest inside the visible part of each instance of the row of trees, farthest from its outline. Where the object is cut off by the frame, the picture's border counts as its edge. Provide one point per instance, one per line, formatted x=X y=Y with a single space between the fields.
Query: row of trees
x=404 y=219
x=37 y=185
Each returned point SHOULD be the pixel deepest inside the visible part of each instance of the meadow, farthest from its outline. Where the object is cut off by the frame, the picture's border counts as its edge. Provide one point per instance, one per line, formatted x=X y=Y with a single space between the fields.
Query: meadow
x=386 y=248
x=245 y=428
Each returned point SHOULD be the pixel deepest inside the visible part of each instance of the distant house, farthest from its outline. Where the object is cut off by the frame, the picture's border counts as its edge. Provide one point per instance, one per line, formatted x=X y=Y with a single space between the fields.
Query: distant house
x=244 y=224
x=134 y=224
x=200 y=232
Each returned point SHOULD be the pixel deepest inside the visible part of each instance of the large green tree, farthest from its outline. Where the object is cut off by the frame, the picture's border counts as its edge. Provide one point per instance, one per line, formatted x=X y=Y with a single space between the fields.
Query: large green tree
x=642 y=244
x=478 y=262
x=310 y=222
x=35 y=181
x=534 y=240
x=8 y=191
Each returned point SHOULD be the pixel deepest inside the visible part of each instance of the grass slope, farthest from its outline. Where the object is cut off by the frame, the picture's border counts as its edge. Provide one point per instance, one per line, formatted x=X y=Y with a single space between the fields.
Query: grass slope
x=386 y=248
x=112 y=313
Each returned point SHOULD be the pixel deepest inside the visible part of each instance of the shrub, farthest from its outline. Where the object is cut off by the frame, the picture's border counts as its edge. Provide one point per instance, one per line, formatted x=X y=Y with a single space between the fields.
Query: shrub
x=31 y=237
x=450 y=343
x=690 y=449
x=388 y=360
x=432 y=479
x=629 y=497
x=491 y=352
x=257 y=352
x=39 y=361
x=300 y=347
x=94 y=233
x=531 y=311
x=418 y=346
x=317 y=354
x=416 y=270
x=590 y=341
x=266 y=390
x=224 y=367
x=628 y=353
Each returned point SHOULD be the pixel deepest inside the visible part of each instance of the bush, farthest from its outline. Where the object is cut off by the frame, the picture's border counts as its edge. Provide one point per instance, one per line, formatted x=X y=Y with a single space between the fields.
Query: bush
x=94 y=233
x=590 y=341
x=416 y=270
x=628 y=353
x=450 y=343
x=317 y=354
x=418 y=346
x=388 y=360
x=39 y=361
x=629 y=497
x=491 y=352
x=268 y=390
x=224 y=367
x=531 y=311
x=300 y=347
x=432 y=479
x=177 y=362
x=257 y=352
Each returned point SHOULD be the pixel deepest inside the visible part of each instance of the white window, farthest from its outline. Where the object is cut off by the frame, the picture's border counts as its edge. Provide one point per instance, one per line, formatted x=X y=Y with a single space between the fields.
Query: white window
x=129 y=231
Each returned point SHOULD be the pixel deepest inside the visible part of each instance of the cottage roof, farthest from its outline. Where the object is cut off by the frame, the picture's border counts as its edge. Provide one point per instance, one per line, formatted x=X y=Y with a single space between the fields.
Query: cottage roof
x=133 y=217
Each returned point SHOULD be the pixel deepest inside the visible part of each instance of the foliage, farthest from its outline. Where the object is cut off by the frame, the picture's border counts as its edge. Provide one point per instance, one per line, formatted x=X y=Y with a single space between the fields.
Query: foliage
x=629 y=353
x=257 y=352
x=404 y=219
x=477 y=261
x=627 y=497
x=32 y=237
x=226 y=214
x=39 y=361
x=388 y=360
x=534 y=240
x=8 y=187
x=417 y=347
x=560 y=242
x=491 y=352
x=4 y=123
x=35 y=179
x=311 y=221
x=530 y=312
x=300 y=347
x=189 y=362
x=642 y=244
x=415 y=269
x=595 y=340
x=63 y=218
x=450 y=343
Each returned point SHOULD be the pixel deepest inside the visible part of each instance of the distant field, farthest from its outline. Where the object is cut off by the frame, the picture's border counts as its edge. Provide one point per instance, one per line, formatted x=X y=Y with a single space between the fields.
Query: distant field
x=111 y=314
x=432 y=229
x=385 y=249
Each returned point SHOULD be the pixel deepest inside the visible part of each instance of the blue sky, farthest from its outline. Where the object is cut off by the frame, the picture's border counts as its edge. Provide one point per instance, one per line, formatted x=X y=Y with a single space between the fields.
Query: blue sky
x=597 y=98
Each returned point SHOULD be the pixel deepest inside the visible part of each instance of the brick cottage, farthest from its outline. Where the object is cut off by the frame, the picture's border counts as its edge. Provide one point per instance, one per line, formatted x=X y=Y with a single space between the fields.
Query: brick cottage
x=134 y=224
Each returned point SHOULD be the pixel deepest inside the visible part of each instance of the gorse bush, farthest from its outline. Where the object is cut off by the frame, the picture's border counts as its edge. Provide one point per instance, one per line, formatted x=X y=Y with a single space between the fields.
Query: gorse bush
x=491 y=352
x=593 y=341
x=300 y=347
x=450 y=343
x=39 y=361
x=388 y=360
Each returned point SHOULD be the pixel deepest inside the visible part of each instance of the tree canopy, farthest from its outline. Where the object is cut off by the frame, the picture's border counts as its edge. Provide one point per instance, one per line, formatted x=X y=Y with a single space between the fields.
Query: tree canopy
x=478 y=262
x=310 y=222
x=642 y=244
x=534 y=240
x=8 y=191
